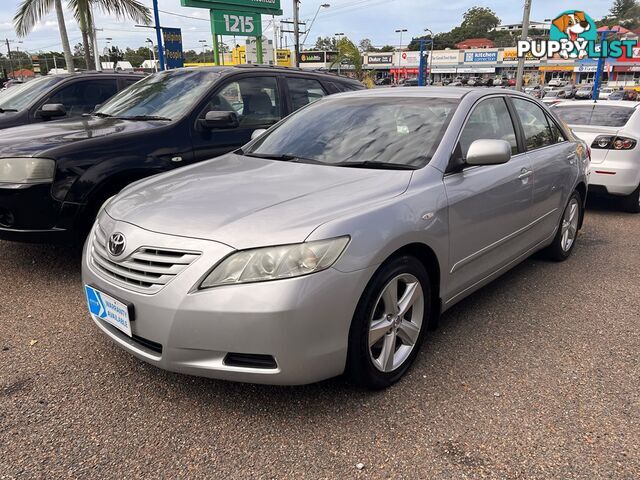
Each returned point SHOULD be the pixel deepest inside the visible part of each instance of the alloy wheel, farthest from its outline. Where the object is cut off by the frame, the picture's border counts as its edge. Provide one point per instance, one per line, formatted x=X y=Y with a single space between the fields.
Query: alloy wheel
x=570 y=225
x=396 y=321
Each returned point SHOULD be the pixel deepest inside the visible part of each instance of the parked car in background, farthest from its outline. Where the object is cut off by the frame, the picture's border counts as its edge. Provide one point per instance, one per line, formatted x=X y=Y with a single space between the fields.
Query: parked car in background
x=383 y=81
x=557 y=82
x=551 y=97
x=410 y=82
x=630 y=95
x=605 y=92
x=584 y=92
x=498 y=82
x=612 y=129
x=55 y=175
x=511 y=82
x=567 y=92
x=334 y=240
x=53 y=97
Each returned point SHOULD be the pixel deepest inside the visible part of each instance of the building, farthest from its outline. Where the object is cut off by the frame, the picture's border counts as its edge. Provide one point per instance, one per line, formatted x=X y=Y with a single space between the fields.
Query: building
x=22 y=74
x=517 y=27
x=476 y=43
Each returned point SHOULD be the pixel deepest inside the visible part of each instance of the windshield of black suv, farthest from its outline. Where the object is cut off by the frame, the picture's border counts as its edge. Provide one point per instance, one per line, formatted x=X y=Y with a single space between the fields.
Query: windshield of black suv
x=169 y=95
x=366 y=131
x=20 y=97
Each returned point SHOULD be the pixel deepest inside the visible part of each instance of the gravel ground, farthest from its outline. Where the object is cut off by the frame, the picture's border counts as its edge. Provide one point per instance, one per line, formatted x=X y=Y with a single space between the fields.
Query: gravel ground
x=535 y=376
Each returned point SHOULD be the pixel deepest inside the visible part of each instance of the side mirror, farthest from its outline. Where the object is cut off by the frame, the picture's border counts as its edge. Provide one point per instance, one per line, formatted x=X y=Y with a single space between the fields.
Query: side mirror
x=50 y=110
x=488 y=152
x=258 y=133
x=222 y=120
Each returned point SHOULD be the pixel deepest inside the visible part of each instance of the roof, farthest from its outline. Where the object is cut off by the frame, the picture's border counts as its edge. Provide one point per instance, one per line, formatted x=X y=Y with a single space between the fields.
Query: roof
x=476 y=41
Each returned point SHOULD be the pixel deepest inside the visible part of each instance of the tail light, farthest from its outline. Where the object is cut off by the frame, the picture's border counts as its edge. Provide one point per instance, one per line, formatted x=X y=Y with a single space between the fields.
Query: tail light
x=613 y=142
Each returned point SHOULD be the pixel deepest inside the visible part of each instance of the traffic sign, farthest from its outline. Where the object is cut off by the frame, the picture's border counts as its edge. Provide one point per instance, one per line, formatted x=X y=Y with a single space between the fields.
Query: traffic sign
x=225 y=22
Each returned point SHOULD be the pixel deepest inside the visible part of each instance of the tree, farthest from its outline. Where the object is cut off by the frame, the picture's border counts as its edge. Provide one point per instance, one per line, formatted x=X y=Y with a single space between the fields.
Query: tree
x=621 y=8
x=326 y=43
x=479 y=20
x=387 y=48
x=30 y=12
x=348 y=53
x=365 y=45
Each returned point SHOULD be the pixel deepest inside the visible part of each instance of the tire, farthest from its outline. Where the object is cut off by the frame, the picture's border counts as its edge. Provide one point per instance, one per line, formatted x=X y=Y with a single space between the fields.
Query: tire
x=562 y=246
x=631 y=203
x=367 y=365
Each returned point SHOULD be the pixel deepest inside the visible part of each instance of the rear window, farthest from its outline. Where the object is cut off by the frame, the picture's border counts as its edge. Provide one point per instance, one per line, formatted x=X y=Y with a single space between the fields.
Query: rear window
x=601 y=115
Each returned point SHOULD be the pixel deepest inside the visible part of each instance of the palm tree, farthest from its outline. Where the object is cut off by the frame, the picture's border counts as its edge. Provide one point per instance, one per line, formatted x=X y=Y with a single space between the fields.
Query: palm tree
x=83 y=14
x=31 y=12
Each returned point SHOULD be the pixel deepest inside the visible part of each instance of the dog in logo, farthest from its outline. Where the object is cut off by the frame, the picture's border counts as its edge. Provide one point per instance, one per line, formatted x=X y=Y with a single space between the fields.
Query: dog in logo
x=573 y=25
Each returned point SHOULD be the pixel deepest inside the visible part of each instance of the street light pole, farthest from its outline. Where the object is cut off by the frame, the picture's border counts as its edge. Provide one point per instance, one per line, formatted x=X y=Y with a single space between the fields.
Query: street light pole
x=525 y=34
x=400 y=31
x=204 y=44
x=153 y=55
x=430 y=59
x=324 y=5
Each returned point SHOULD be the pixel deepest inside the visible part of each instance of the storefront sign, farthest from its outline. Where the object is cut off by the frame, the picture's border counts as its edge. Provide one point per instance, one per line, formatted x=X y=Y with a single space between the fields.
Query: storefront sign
x=585 y=68
x=511 y=55
x=445 y=57
x=474 y=57
x=379 y=59
x=172 y=39
x=312 y=57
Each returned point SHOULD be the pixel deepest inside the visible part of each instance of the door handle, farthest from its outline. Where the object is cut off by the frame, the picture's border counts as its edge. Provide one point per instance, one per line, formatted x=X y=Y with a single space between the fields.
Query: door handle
x=525 y=173
x=572 y=158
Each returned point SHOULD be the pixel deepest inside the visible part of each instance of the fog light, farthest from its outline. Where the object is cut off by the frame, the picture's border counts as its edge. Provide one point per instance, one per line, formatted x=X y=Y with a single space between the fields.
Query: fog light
x=6 y=218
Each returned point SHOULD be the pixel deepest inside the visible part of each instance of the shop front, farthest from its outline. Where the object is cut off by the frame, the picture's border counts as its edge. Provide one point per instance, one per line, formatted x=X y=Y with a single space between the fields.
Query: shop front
x=508 y=67
x=554 y=71
x=380 y=63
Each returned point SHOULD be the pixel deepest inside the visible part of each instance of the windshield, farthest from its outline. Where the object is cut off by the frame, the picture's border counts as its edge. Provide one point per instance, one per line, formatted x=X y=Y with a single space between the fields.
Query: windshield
x=19 y=97
x=601 y=115
x=387 y=130
x=169 y=94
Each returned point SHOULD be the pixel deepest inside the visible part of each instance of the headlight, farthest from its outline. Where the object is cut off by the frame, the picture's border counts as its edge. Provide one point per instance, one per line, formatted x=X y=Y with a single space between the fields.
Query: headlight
x=274 y=263
x=27 y=170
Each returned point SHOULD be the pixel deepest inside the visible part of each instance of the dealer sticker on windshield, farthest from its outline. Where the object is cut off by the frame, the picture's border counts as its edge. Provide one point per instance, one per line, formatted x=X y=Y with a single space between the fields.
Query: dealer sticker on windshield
x=108 y=309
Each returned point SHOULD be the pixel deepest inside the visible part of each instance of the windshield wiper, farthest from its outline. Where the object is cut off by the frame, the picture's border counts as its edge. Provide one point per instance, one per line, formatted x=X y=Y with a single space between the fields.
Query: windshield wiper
x=101 y=115
x=376 y=165
x=2 y=110
x=283 y=157
x=143 y=118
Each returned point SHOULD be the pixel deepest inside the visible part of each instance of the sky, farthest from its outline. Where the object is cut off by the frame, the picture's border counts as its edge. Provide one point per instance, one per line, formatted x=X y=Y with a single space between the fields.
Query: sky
x=358 y=19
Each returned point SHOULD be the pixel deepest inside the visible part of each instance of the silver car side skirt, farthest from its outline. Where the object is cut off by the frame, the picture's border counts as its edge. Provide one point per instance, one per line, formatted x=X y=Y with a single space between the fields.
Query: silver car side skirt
x=498 y=243
x=467 y=291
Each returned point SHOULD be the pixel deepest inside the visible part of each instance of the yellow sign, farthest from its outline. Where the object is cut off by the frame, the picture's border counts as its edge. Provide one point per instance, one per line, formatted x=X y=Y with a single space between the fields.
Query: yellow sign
x=511 y=55
x=555 y=68
x=284 y=57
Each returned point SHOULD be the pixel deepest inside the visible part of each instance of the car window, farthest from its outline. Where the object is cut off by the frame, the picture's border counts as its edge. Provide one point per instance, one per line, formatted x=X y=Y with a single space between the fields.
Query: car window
x=490 y=120
x=255 y=99
x=557 y=136
x=20 y=96
x=537 y=132
x=601 y=115
x=304 y=91
x=349 y=130
x=82 y=97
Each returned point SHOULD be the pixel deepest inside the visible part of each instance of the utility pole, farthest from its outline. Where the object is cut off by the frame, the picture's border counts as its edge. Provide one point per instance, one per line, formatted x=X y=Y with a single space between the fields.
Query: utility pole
x=275 y=41
x=156 y=16
x=525 y=34
x=296 y=31
x=9 y=55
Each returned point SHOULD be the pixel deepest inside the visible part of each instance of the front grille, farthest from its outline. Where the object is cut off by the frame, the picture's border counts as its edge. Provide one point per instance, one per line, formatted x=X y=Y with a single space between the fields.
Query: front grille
x=147 y=270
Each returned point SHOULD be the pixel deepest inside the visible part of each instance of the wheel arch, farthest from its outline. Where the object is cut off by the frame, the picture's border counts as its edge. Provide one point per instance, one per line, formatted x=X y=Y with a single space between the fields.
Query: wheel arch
x=581 y=188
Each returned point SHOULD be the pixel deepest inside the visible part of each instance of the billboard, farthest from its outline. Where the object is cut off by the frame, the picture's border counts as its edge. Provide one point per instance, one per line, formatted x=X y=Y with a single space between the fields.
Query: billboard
x=271 y=7
x=225 y=22
x=172 y=39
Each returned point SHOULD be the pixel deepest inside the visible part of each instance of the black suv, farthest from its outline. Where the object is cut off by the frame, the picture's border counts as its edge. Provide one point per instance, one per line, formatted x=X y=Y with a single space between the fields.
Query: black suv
x=60 y=96
x=54 y=176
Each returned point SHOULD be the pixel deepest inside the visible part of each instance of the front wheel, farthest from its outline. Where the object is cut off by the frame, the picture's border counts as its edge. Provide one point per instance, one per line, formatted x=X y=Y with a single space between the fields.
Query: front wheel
x=389 y=323
x=567 y=234
x=631 y=203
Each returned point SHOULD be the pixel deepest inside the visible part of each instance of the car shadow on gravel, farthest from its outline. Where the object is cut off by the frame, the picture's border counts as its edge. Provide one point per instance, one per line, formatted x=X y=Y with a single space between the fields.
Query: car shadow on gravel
x=42 y=259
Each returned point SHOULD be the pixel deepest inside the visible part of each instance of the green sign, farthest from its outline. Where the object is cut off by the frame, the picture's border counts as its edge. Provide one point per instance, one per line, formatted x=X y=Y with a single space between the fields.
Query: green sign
x=271 y=7
x=224 y=22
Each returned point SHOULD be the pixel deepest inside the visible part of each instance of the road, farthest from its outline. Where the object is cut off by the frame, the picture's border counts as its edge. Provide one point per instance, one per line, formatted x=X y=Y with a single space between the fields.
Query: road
x=536 y=376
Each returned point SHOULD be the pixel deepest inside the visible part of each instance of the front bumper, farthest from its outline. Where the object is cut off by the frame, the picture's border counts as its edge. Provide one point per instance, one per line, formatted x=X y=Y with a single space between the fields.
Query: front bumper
x=30 y=213
x=302 y=323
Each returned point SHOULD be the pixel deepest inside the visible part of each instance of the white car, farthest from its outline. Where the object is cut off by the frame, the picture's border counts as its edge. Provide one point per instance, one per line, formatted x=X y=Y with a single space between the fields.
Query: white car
x=612 y=129
x=605 y=92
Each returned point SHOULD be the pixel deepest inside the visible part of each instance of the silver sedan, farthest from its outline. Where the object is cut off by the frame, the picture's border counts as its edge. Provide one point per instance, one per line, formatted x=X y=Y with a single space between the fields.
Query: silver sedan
x=332 y=242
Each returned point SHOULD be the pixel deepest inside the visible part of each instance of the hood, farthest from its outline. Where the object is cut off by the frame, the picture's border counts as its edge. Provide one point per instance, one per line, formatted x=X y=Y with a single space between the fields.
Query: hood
x=246 y=202
x=36 y=139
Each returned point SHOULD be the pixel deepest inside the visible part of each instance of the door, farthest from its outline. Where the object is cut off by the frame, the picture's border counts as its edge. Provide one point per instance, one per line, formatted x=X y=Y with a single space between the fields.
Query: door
x=82 y=96
x=489 y=206
x=553 y=161
x=257 y=101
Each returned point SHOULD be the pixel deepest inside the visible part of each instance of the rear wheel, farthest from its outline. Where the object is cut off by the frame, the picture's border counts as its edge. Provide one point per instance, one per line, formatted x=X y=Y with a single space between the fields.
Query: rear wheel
x=389 y=323
x=567 y=234
x=631 y=203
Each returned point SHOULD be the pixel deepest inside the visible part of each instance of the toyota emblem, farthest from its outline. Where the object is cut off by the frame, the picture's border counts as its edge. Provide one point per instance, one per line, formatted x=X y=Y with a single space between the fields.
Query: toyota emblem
x=117 y=244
